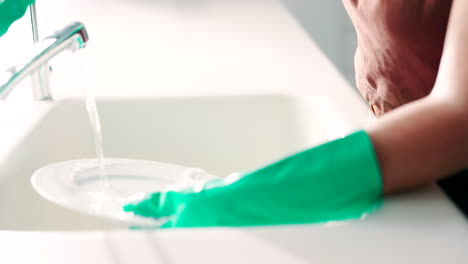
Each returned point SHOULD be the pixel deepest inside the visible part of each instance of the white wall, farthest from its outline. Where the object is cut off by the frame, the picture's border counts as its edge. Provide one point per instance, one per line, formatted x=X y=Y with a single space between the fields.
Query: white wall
x=328 y=24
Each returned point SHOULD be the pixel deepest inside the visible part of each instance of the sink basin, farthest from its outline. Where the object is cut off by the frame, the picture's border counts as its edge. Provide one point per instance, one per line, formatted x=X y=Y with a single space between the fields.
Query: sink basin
x=219 y=134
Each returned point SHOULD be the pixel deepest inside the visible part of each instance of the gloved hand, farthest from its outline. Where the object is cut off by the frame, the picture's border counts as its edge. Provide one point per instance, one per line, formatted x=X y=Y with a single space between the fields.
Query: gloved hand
x=10 y=11
x=334 y=181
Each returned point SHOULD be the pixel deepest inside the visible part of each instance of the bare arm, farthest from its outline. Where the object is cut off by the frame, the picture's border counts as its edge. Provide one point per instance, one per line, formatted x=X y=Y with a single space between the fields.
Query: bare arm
x=428 y=139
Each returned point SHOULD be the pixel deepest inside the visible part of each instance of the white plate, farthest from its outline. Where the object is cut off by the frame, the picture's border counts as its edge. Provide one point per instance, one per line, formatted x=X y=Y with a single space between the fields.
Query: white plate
x=80 y=185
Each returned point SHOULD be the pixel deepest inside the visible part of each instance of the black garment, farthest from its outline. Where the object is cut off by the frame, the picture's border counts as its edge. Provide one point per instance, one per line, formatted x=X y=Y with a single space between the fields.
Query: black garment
x=456 y=187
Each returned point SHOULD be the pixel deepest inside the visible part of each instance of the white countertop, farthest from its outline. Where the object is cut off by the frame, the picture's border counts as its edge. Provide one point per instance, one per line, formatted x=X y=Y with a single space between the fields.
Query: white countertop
x=420 y=227
x=208 y=47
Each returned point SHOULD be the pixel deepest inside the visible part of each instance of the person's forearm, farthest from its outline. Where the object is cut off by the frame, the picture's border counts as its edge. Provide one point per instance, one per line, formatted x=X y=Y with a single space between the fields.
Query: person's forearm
x=428 y=139
x=420 y=142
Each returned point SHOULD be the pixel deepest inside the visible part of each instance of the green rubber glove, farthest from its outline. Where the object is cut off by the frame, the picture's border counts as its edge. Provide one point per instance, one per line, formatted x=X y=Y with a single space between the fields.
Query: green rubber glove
x=335 y=181
x=10 y=11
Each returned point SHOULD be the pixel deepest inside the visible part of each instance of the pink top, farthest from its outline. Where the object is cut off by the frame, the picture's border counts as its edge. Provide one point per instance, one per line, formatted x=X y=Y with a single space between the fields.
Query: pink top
x=400 y=43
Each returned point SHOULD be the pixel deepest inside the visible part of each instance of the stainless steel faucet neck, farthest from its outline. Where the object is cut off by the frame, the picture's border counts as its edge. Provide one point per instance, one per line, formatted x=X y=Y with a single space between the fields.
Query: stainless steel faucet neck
x=72 y=37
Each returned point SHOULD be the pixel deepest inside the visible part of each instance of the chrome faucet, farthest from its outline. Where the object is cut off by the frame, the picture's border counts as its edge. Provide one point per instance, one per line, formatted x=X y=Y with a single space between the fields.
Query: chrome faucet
x=72 y=37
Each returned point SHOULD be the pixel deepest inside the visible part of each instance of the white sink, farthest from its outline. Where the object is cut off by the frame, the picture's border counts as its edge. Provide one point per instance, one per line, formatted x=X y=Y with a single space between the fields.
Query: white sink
x=218 y=134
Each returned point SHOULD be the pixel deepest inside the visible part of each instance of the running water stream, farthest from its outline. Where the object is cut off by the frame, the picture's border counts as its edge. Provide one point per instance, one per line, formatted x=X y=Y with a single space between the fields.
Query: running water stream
x=93 y=114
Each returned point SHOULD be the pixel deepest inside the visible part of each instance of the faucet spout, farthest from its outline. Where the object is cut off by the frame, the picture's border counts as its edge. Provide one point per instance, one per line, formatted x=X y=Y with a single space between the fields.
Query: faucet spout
x=73 y=37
